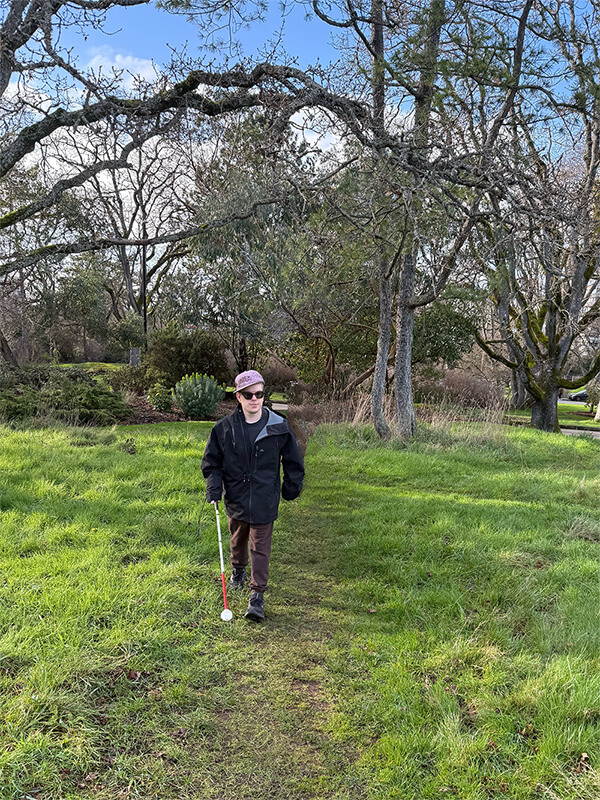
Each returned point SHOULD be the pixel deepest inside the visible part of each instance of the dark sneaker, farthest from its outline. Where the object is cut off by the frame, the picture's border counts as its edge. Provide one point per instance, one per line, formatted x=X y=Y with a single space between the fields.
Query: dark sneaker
x=238 y=578
x=256 y=607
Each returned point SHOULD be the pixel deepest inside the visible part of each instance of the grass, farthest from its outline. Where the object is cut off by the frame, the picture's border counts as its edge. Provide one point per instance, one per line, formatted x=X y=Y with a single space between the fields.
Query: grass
x=569 y=416
x=95 y=366
x=432 y=621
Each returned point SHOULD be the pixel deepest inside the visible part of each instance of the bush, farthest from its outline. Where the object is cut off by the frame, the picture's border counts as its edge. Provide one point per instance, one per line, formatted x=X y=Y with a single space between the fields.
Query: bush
x=130 y=379
x=67 y=395
x=198 y=396
x=277 y=375
x=173 y=353
x=124 y=334
x=461 y=388
x=34 y=376
x=298 y=392
x=19 y=403
x=160 y=398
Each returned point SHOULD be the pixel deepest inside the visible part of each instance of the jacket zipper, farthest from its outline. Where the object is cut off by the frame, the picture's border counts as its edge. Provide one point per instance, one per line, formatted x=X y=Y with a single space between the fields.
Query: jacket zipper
x=249 y=450
x=253 y=454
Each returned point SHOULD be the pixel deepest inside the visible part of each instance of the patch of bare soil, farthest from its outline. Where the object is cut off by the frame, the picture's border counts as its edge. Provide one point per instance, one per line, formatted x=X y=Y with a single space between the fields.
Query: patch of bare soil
x=142 y=412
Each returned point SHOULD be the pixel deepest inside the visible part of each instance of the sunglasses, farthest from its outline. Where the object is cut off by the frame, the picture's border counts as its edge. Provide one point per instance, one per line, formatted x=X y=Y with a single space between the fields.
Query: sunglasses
x=250 y=395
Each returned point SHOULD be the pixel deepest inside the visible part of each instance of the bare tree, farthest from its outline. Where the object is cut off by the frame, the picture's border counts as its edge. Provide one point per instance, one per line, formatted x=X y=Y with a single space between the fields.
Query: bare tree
x=425 y=80
x=45 y=98
x=543 y=240
x=153 y=195
x=434 y=89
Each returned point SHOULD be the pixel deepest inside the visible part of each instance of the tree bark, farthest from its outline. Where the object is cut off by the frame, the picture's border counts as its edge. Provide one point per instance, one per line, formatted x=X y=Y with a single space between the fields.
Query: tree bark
x=383 y=348
x=385 y=292
x=544 y=413
x=6 y=352
x=519 y=393
x=405 y=409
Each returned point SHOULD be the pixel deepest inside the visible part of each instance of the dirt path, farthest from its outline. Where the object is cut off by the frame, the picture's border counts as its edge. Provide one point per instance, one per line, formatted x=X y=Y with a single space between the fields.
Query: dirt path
x=273 y=734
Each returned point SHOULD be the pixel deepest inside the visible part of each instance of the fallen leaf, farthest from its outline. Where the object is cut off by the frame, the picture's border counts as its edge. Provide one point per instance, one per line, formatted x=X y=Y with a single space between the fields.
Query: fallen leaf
x=180 y=733
x=583 y=765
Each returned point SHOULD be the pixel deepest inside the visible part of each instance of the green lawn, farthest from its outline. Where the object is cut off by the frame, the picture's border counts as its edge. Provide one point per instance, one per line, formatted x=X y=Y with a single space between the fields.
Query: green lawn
x=570 y=415
x=96 y=366
x=433 y=626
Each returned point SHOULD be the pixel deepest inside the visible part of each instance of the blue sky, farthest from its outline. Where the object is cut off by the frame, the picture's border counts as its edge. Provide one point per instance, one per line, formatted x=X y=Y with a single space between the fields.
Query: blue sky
x=141 y=34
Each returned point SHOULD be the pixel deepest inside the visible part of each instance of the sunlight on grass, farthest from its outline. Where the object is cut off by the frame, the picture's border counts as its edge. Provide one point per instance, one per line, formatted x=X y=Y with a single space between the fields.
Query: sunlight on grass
x=433 y=621
x=471 y=582
x=570 y=415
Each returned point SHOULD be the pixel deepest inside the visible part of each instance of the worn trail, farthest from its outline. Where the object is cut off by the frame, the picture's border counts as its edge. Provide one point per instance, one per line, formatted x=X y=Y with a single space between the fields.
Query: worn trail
x=273 y=734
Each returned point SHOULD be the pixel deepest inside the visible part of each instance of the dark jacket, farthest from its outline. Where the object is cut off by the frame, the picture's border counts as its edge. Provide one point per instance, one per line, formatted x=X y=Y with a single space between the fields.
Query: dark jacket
x=250 y=474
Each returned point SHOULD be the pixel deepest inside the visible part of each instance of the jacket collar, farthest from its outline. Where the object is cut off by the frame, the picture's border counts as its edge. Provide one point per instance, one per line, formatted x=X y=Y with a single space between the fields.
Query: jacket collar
x=273 y=426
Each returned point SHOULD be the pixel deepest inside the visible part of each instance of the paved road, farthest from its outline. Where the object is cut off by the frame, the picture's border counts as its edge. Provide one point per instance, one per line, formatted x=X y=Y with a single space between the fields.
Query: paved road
x=574 y=432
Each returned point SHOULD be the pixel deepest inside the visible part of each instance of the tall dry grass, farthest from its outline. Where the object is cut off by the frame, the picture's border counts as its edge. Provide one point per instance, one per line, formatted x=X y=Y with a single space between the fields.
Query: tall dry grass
x=439 y=420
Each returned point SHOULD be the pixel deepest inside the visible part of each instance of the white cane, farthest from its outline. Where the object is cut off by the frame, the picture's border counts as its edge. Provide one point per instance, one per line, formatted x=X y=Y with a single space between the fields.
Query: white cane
x=226 y=614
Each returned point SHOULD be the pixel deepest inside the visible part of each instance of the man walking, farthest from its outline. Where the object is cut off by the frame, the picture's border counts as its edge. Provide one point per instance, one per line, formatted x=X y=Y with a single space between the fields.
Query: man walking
x=243 y=457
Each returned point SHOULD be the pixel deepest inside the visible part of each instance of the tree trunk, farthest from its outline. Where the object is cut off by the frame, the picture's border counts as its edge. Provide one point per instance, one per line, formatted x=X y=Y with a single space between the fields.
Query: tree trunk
x=405 y=409
x=23 y=305
x=383 y=349
x=242 y=358
x=126 y=270
x=544 y=413
x=6 y=352
x=519 y=393
x=385 y=290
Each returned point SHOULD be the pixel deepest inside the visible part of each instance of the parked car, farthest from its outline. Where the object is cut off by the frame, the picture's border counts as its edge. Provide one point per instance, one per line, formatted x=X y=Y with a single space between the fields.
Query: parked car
x=582 y=395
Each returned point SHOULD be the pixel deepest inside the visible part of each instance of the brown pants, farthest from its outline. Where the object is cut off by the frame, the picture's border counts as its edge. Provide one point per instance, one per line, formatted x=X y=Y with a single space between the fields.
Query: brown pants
x=259 y=537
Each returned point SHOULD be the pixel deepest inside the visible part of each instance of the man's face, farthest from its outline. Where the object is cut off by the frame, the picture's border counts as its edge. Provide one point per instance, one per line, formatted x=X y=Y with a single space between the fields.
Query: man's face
x=249 y=401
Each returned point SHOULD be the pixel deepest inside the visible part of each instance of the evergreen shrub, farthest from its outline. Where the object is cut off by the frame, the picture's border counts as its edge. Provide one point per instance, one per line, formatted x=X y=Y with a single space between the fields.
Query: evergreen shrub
x=131 y=379
x=124 y=334
x=66 y=395
x=173 y=353
x=160 y=398
x=198 y=395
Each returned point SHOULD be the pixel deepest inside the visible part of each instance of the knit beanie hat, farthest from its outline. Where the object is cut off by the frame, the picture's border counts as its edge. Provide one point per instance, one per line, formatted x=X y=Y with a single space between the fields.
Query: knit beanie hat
x=247 y=379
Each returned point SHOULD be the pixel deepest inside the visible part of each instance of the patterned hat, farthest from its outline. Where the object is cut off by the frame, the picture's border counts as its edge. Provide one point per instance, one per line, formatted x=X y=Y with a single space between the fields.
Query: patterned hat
x=247 y=379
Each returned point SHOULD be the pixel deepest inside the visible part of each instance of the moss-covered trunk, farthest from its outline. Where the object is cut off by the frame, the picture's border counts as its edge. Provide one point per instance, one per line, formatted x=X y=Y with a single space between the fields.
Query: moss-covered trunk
x=544 y=413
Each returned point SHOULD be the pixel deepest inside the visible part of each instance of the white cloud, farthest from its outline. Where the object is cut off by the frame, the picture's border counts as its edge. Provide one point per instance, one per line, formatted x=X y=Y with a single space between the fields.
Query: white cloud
x=18 y=91
x=105 y=59
x=316 y=130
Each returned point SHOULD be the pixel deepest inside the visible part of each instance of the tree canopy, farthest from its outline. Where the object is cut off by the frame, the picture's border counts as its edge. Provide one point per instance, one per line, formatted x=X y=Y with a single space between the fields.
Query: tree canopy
x=462 y=153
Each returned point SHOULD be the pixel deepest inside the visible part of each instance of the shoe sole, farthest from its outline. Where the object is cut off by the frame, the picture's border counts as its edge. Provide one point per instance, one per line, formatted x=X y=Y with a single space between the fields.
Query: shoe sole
x=254 y=616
